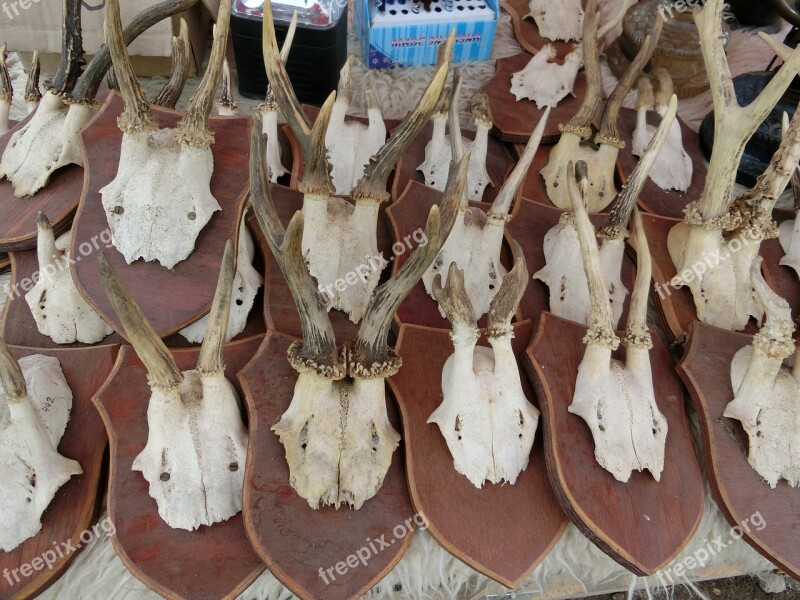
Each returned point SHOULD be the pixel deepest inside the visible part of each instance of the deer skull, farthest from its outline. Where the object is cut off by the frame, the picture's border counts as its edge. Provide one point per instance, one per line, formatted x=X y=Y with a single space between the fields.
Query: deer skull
x=438 y=152
x=246 y=284
x=616 y=398
x=59 y=310
x=339 y=236
x=557 y=19
x=715 y=225
x=767 y=391
x=563 y=272
x=351 y=144
x=35 y=402
x=336 y=433
x=197 y=444
x=487 y=421
x=600 y=158
x=161 y=198
x=476 y=241
x=673 y=170
x=49 y=141
x=546 y=82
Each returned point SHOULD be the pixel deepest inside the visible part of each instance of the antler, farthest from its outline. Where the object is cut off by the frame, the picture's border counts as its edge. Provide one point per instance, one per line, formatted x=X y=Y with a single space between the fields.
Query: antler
x=226 y=103
x=86 y=90
x=163 y=371
x=11 y=377
x=137 y=115
x=601 y=324
x=508 y=297
x=181 y=50
x=637 y=334
x=6 y=89
x=72 y=61
x=46 y=250
x=620 y=213
x=193 y=128
x=454 y=300
x=32 y=92
x=608 y=128
x=376 y=173
x=211 y=355
x=318 y=349
x=775 y=336
x=581 y=123
x=454 y=125
x=371 y=355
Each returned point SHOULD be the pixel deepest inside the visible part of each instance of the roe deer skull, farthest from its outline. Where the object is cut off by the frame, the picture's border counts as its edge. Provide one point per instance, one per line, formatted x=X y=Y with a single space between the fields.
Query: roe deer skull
x=476 y=241
x=723 y=293
x=438 y=152
x=564 y=274
x=49 y=141
x=35 y=403
x=340 y=236
x=336 y=432
x=600 y=157
x=557 y=19
x=160 y=199
x=60 y=312
x=487 y=421
x=673 y=170
x=197 y=444
x=351 y=144
x=616 y=398
x=767 y=391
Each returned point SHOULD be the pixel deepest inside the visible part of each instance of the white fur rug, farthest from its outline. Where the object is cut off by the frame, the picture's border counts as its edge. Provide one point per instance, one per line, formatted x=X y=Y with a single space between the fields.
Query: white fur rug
x=575 y=567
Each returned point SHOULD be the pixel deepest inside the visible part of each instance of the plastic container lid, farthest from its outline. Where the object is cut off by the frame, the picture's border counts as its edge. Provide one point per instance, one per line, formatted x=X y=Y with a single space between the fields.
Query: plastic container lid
x=310 y=13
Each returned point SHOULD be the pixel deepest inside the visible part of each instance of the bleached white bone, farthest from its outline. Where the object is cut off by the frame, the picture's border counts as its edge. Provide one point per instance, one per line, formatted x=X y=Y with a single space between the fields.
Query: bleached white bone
x=767 y=391
x=673 y=170
x=246 y=284
x=563 y=272
x=160 y=199
x=488 y=423
x=196 y=444
x=60 y=312
x=723 y=293
x=557 y=19
x=350 y=144
x=438 y=151
x=790 y=242
x=35 y=405
x=476 y=241
x=547 y=82
x=616 y=399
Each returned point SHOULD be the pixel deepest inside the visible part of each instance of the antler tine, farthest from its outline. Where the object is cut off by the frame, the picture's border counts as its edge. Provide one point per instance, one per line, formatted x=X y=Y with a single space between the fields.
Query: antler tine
x=616 y=19
x=344 y=91
x=601 y=324
x=505 y=303
x=371 y=354
x=32 y=92
x=72 y=60
x=621 y=211
x=137 y=115
x=319 y=343
x=502 y=204
x=162 y=369
x=373 y=183
x=645 y=97
x=226 y=104
x=211 y=358
x=666 y=88
x=282 y=88
x=581 y=123
x=193 y=127
x=6 y=89
x=637 y=334
x=775 y=336
x=287 y=41
x=608 y=128
x=454 y=300
x=11 y=377
x=181 y=49
x=454 y=122
x=46 y=250
x=86 y=90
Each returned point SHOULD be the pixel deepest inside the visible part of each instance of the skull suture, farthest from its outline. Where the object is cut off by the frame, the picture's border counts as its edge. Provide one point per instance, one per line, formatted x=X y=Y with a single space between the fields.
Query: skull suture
x=197 y=444
x=35 y=404
x=487 y=421
x=60 y=312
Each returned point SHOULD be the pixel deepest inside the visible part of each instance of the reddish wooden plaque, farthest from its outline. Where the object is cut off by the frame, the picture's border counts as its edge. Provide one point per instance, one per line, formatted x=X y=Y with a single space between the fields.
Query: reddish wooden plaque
x=502 y=531
x=211 y=562
x=77 y=503
x=738 y=489
x=301 y=546
x=642 y=524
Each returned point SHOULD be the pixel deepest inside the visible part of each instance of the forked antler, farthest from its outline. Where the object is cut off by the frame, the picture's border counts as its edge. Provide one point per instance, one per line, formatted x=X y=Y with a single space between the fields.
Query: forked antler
x=72 y=60
x=32 y=92
x=181 y=52
x=581 y=123
x=504 y=305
